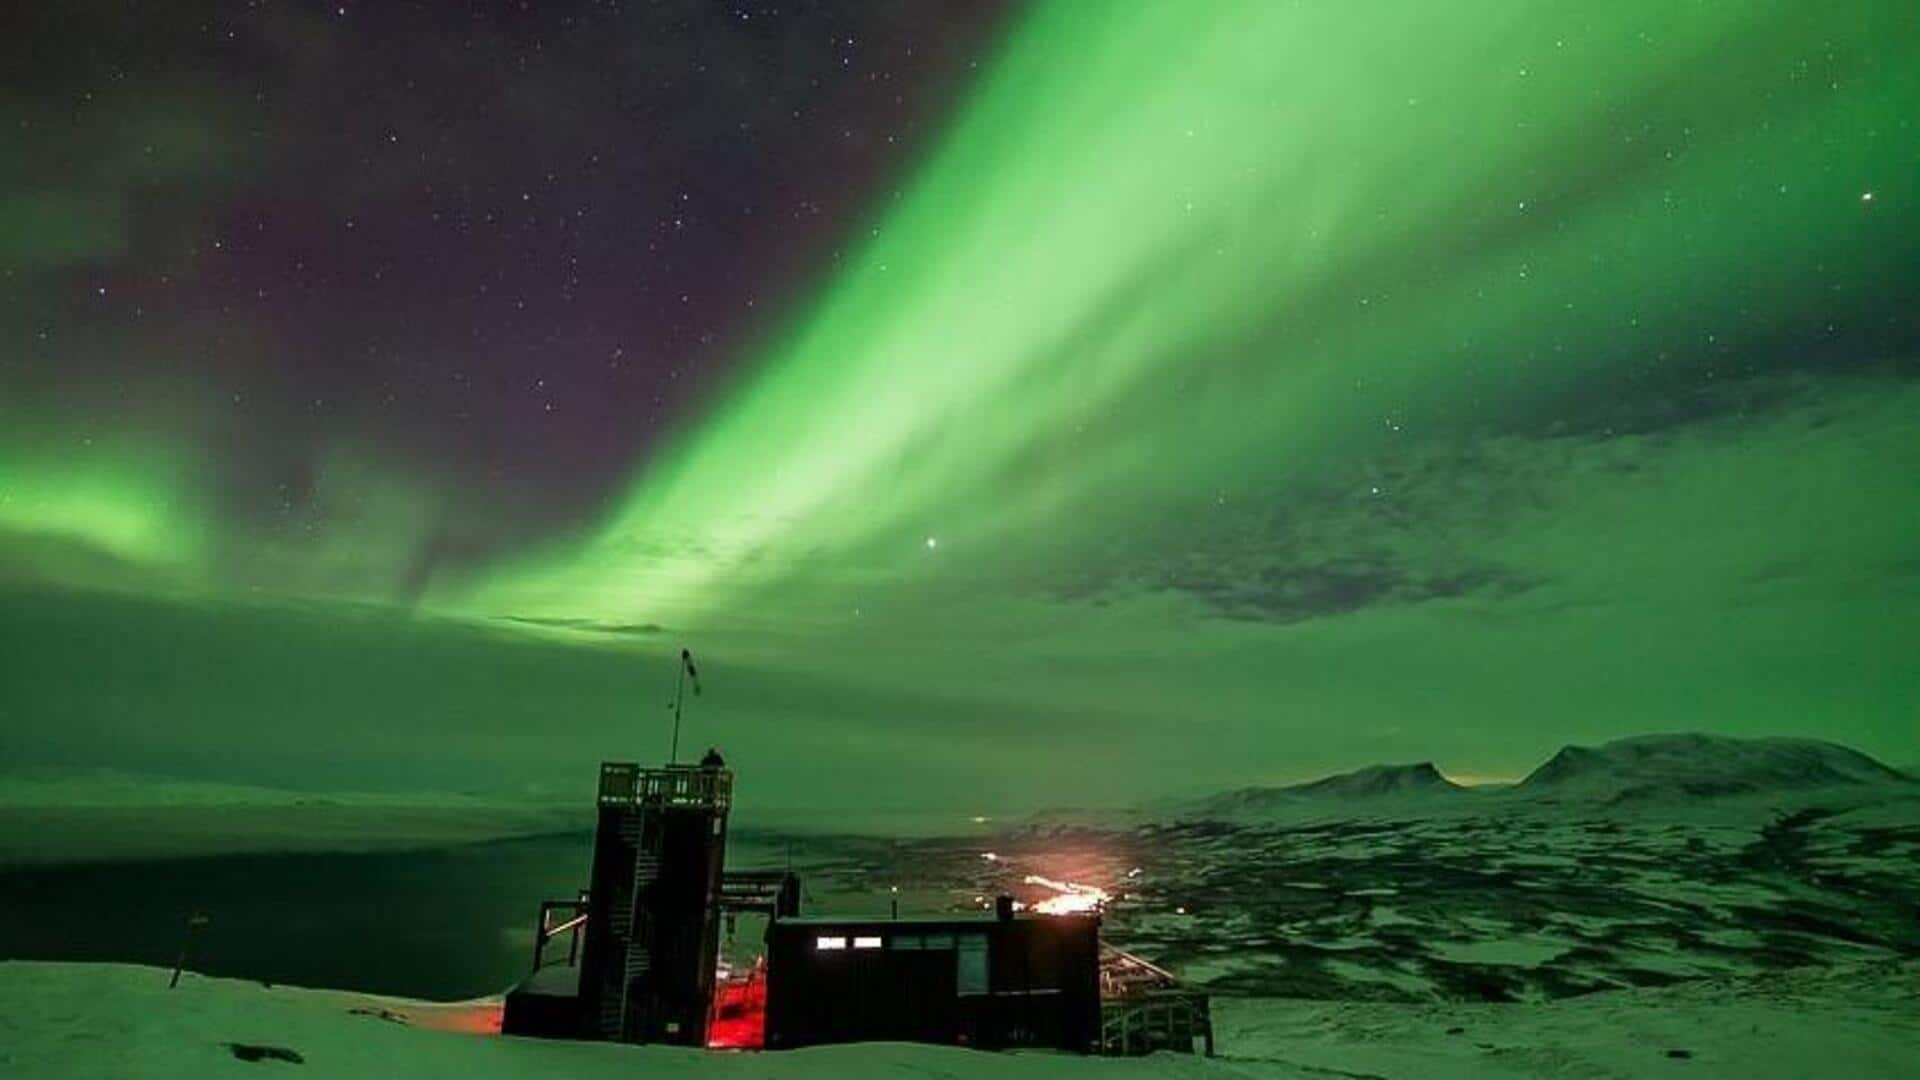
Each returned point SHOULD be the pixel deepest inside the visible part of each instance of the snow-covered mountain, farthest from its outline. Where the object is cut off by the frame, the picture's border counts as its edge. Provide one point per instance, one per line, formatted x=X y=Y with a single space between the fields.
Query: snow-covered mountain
x=1699 y=770
x=1693 y=766
x=1375 y=783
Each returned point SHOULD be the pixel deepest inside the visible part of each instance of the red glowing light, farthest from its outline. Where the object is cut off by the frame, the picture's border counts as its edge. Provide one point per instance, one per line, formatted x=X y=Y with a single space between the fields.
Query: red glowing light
x=739 y=1020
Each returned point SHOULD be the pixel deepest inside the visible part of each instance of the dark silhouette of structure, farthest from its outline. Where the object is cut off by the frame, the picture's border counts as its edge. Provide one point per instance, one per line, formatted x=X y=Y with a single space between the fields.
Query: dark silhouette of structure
x=647 y=973
x=642 y=949
x=646 y=935
x=994 y=981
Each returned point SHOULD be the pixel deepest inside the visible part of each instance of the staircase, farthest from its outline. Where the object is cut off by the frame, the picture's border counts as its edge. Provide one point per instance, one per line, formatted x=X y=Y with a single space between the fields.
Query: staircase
x=628 y=926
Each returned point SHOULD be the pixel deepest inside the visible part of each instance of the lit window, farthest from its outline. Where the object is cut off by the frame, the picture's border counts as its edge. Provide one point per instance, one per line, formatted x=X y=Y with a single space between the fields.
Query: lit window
x=866 y=943
x=829 y=943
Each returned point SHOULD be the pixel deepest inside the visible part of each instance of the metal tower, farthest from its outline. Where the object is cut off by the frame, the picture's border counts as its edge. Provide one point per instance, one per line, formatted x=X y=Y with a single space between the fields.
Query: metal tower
x=646 y=973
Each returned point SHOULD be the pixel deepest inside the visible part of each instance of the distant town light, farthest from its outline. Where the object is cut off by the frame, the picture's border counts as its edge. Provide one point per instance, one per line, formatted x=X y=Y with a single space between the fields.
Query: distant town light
x=1071 y=896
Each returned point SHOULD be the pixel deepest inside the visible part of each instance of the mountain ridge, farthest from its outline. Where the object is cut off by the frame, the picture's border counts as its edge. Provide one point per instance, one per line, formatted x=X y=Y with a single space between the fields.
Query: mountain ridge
x=1641 y=769
x=1699 y=766
x=1368 y=784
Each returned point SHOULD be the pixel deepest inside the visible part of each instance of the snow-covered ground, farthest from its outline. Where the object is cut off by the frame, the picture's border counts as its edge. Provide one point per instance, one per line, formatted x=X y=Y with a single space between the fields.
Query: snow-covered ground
x=1851 y=1020
x=112 y=1020
x=1639 y=863
x=1676 y=906
x=1485 y=900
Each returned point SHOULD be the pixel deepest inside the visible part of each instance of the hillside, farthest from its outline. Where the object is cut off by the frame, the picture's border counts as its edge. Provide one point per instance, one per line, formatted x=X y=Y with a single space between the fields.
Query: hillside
x=1377 y=781
x=1375 y=784
x=1693 y=766
x=59 y=1020
x=1698 y=770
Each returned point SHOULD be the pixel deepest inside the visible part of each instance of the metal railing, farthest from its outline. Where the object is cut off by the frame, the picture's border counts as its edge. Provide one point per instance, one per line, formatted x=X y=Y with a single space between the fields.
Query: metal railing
x=1176 y=1020
x=1144 y=1008
x=1122 y=974
x=623 y=783
x=574 y=921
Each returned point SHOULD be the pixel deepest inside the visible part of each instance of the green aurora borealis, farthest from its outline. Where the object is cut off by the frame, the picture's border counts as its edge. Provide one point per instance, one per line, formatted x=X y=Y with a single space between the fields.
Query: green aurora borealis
x=1231 y=392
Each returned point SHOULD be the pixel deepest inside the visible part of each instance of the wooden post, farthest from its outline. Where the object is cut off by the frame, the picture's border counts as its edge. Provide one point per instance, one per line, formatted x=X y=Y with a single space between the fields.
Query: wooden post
x=194 y=922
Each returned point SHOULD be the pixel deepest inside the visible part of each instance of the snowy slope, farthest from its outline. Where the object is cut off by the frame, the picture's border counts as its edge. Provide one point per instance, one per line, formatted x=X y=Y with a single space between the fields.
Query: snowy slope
x=1689 y=771
x=1851 y=1021
x=1633 y=864
x=111 y=1020
x=78 y=1020
x=1371 y=788
x=1379 y=780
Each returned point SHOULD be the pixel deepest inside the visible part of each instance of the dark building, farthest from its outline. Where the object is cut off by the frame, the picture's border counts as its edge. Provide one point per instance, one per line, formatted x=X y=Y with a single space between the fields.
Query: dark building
x=648 y=929
x=642 y=943
x=991 y=981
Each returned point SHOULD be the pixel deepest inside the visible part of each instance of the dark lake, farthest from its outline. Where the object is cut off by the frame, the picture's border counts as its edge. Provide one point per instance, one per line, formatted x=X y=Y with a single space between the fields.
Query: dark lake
x=446 y=923
x=456 y=922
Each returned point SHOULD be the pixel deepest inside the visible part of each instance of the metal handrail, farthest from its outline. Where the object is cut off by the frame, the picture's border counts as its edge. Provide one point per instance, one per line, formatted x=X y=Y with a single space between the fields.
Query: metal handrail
x=623 y=783
x=546 y=931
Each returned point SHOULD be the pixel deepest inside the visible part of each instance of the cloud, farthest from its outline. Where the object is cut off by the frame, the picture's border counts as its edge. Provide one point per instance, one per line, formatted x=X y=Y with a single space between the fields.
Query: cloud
x=590 y=626
x=1490 y=518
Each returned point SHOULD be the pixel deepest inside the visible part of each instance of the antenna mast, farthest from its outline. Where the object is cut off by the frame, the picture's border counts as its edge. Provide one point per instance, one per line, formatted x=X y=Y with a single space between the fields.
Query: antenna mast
x=679 y=698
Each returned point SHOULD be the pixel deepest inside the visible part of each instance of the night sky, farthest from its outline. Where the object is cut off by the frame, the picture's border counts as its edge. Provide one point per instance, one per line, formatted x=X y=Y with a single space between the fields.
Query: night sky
x=1009 y=404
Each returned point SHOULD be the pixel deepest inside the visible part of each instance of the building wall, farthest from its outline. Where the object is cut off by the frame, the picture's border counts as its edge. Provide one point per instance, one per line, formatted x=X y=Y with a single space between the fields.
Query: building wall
x=1019 y=982
x=673 y=919
x=676 y=994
